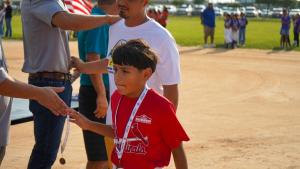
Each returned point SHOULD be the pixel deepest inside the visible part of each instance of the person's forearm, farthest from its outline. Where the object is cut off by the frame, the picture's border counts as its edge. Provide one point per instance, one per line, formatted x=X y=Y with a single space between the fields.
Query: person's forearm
x=102 y=129
x=69 y=21
x=172 y=94
x=96 y=79
x=180 y=158
x=14 y=88
x=95 y=67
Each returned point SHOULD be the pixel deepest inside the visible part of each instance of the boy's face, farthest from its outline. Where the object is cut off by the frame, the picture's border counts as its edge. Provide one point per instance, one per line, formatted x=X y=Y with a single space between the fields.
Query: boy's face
x=131 y=8
x=129 y=80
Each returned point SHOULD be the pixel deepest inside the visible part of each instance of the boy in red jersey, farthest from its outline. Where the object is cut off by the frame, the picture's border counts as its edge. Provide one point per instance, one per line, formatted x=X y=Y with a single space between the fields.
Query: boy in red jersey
x=144 y=126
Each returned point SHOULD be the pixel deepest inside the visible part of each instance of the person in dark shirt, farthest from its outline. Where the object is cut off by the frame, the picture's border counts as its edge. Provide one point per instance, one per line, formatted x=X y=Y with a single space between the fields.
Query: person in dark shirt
x=8 y=17
x=208 y=21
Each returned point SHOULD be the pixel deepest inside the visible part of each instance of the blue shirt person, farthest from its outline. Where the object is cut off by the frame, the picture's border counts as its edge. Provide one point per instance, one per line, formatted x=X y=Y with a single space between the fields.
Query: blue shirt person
x=208 y=20
x=208 y=17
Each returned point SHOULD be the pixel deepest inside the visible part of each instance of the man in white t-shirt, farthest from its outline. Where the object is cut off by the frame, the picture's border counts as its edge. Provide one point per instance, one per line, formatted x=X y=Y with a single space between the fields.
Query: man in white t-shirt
x=136 y=25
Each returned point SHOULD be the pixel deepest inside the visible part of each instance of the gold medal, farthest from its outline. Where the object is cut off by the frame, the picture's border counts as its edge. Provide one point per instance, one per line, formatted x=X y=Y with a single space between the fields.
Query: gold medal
x=62 y=161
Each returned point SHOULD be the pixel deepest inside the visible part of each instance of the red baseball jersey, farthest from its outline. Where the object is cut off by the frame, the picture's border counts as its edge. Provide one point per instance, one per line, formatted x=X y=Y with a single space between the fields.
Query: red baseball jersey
x=154 y=132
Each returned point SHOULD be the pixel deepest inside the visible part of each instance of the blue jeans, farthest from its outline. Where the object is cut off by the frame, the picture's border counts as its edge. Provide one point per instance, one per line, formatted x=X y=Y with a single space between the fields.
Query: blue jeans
x=47 y=127
x=8 y=27
x=242 y=36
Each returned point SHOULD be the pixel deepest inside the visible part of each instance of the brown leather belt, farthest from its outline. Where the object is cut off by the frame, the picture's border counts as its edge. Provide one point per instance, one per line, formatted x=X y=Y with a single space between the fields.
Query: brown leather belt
x=51 y=75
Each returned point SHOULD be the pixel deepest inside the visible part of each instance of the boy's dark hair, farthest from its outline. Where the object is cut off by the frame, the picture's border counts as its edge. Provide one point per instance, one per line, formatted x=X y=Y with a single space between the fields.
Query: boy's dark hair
x=135 y=53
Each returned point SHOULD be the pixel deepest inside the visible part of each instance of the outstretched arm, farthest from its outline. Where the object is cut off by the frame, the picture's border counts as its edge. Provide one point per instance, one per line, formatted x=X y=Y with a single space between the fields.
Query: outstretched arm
x=94 y=67
x=86 y=124
x=69 y=21
x=46 y=96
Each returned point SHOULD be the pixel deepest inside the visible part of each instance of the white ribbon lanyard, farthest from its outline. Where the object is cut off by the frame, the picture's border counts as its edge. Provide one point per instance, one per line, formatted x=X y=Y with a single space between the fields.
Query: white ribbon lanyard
x=128 y=126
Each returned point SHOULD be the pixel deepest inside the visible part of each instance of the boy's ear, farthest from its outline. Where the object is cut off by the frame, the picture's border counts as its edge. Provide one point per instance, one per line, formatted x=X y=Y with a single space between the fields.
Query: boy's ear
x=147 y=73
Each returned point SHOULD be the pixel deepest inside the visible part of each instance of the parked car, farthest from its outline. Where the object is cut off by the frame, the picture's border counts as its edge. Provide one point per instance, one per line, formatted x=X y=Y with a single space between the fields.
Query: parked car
x=185 y=9
x=226 y=10
x=259 y=12
x=251 y=11
x=198 y=10
x=234 y=11
x=266 y=13
x=218 y=11
x=277 y=12
x=172 y=9
x=243 y=9
x=294 y=12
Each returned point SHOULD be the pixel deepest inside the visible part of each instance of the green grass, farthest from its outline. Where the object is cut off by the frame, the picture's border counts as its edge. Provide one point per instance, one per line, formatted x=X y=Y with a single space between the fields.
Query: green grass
x=16 y=27
x=261 y=34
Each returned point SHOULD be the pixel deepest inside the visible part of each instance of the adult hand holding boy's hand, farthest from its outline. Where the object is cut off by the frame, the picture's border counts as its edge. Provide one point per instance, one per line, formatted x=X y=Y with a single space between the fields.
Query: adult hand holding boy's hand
x=48 y=97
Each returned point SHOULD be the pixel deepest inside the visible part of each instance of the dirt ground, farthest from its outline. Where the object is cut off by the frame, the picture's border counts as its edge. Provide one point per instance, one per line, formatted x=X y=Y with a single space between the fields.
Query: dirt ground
x=239 y=107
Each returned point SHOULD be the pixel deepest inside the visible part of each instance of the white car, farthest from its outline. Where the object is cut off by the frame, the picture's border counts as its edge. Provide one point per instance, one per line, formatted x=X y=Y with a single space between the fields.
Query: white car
x=185 y=9
x=294 y=12
x=218 y=11
x=234 y=11
x=171 y=8
x=198 y=10
x=251 y=11
x=277 y=12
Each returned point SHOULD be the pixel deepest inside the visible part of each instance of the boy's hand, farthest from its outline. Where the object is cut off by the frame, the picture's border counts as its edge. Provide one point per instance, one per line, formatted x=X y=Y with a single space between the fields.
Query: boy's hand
x=102 y=106
x=78 y=119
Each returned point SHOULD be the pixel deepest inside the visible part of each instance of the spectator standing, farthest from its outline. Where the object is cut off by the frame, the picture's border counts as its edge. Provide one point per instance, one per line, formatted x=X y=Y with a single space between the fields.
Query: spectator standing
x=285 y=30
x=2 y=15
x=164 y=17
x=227 y=30
x=8 y=18
x=296 y=21
x=235 y=30
x=208 y=21
x=243 y=22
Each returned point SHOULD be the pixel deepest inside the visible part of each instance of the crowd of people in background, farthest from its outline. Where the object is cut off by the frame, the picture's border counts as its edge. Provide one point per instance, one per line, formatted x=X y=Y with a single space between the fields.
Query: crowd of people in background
x=235 y=30
x=159 y=16
x=6 y=14
x=286 y=22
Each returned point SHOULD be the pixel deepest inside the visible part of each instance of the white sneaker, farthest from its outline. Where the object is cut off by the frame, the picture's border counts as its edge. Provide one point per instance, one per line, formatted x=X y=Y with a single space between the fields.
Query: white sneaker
x=206 y=46
x=212 y=45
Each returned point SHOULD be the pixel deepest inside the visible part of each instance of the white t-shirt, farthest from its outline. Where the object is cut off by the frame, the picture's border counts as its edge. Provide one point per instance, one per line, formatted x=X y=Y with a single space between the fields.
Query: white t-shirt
x=160 y=41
